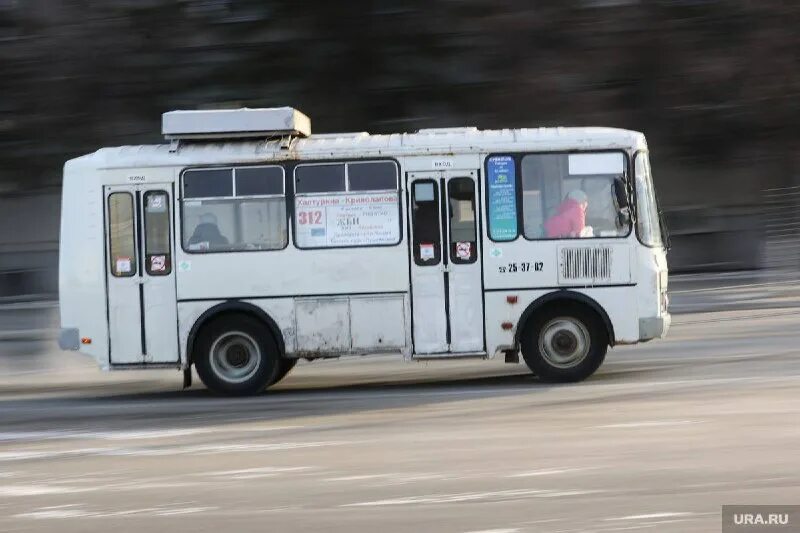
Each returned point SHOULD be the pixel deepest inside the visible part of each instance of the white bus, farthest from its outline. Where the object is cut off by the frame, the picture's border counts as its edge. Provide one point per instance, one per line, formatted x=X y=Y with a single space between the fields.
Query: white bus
x=245 y=243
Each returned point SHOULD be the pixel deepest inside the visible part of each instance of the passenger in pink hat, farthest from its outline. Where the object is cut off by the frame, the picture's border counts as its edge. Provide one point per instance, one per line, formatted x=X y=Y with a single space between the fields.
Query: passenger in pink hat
x=570 y=219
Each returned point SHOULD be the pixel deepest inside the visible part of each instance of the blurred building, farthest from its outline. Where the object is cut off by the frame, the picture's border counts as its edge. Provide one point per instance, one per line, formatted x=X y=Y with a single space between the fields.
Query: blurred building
x=713 y=83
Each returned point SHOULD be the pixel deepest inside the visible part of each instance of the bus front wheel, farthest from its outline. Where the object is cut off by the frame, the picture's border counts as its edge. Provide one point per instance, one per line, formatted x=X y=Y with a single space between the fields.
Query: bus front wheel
x=236 y=355
x=565 y=342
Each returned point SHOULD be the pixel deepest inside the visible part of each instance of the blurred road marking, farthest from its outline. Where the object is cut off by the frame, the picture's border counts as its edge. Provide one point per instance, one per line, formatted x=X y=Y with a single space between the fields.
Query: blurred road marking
x=40 y=490
x=651 y=516
x=257 y=473
x=472 y=496
x=648 y=424
x=163 y=451
x=507 y=530
x=391 y=478
x=363 y=477
x=75 y=511
x=332 y=395
x=126 y=434
x=551 y=472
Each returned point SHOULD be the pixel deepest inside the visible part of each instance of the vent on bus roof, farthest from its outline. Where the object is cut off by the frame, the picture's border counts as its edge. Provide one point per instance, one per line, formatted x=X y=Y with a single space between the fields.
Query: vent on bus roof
x=585 y=264
x=235 y=123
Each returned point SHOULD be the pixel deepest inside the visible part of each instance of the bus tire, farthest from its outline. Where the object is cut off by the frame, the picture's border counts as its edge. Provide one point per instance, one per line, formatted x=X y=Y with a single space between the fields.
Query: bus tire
x=565 y=342
x=284 y=367
x=236 y=355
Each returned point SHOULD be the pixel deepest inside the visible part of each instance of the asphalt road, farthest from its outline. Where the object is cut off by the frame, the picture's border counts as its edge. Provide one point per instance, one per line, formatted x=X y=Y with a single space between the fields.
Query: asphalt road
x=658 y=440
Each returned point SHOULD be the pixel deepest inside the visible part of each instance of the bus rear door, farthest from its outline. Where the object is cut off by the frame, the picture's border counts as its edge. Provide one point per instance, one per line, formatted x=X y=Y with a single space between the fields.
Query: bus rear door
x=446 y=277
x=142 y=306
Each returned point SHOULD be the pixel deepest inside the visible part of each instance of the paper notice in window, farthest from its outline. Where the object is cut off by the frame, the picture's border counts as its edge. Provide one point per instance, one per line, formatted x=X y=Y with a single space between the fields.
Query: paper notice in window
x=156 y=203
x=158 y=263
x=123 y=265
x=464 y=250
x=352 y=219
x=426 y=252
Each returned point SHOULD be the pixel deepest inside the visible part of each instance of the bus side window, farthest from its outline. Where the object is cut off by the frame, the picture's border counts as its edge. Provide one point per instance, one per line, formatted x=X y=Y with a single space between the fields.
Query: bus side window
x=157 y=251
x=121 y=235
x=425 y=218
x=461 y=201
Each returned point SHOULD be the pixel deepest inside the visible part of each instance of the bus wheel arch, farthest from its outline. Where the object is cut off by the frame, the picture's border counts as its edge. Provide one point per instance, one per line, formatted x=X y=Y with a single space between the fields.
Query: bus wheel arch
x=233 y=307
x=553 y=298
x=564 y=336
x=237 y=349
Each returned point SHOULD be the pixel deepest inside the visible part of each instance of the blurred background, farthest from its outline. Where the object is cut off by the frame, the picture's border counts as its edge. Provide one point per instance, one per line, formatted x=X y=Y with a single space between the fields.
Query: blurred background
x=658 y=439
x=714 y=84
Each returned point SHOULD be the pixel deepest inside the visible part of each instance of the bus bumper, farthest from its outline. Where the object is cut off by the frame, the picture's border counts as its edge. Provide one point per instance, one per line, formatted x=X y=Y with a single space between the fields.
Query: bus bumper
x=654 y=327
x=69 y=339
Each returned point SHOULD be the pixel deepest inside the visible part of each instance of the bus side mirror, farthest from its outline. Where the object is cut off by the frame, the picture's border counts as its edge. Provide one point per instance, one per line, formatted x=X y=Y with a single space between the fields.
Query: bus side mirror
x=623 y=205
x=621 y=194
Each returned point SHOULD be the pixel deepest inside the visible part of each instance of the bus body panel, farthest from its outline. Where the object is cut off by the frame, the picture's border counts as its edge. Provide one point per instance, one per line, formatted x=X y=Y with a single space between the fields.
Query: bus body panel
x=292 y=272
x=323 y=326
x=81 y=280
x=615 y=301
x=332 y=301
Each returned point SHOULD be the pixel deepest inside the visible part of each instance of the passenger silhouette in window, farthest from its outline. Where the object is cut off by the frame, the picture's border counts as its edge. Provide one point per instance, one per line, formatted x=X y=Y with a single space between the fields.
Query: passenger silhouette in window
x=207 y=234
x=570 y=219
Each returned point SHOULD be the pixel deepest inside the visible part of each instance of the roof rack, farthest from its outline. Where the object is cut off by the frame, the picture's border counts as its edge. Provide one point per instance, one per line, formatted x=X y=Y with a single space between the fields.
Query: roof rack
x=235 y=123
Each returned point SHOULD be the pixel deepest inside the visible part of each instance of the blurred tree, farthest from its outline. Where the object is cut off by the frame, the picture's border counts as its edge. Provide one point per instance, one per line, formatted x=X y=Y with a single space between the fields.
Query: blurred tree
x=712 y=82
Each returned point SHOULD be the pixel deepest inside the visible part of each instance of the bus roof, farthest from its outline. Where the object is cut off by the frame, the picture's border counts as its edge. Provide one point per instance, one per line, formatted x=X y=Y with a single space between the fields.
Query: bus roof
x=439 y=141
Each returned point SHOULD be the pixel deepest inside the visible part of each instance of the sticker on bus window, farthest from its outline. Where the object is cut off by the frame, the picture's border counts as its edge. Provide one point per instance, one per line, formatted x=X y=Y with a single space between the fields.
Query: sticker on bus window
x=158 y=263
x=156 y=203
x=502 y=198
x=464 y=250
x=123 y=265
x=426 y=252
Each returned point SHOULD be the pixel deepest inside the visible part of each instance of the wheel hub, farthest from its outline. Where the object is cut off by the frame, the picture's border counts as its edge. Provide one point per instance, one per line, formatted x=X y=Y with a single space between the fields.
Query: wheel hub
x=235 y=357
x=564 y=342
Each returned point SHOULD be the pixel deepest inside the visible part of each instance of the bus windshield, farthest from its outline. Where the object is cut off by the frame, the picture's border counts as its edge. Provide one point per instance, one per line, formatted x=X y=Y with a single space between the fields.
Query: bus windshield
x=648 y=225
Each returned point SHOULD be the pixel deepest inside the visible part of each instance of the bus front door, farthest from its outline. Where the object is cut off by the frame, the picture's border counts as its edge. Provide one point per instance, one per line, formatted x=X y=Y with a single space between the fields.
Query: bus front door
x=142 y=305
x=446 y=287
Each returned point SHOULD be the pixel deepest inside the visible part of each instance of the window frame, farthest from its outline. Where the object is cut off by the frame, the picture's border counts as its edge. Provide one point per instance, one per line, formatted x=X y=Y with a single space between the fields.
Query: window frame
x=474 y=255
x=517 y=156
x=134 y=229
x=363 y=162
x=346 y=162
x=183 y=182
x=169 y=253
x=182 y=199
x=283 y=175
x=318 y=164
x=437 y=201
x=663 y=237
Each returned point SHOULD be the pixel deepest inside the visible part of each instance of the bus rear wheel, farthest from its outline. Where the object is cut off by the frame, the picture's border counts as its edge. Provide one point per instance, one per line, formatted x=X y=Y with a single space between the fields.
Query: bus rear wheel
x=564 y=343
x=236 y=355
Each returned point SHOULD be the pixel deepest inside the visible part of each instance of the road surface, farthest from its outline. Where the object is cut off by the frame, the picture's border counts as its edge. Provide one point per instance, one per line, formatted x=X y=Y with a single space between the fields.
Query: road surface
x=658 y=440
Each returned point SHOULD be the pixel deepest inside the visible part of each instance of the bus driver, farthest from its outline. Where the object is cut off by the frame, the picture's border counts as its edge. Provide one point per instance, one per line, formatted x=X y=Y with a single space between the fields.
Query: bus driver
x=570 y=219
x=206 y=234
